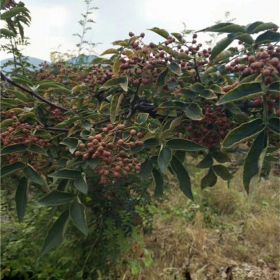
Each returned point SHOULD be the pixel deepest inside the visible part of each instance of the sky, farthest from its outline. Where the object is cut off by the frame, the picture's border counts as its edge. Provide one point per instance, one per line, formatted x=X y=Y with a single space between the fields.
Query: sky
x=54 y=21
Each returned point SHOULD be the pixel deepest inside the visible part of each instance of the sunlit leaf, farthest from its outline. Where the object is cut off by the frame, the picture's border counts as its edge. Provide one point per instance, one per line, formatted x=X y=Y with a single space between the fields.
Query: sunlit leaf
x=243 y=132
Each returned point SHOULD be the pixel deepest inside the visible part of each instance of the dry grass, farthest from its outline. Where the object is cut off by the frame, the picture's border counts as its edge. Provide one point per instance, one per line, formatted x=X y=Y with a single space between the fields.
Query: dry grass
x=225 y=233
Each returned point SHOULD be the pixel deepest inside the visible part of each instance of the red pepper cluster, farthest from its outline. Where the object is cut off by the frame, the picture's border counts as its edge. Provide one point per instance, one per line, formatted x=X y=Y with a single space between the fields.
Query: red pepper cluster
x=112 y=148
x=150 y=60
x=210 y=131
x=57 y=114
x=21 y=133
x=265 y=62
x=98 y=75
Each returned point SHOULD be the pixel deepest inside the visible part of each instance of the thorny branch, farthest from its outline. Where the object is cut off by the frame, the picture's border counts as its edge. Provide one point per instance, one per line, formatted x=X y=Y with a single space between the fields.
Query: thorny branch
x=32 y=93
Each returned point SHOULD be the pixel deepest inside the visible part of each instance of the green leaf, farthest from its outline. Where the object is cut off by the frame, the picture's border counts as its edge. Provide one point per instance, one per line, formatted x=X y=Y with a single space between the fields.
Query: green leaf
x=164 y=158
x=220 y=46
x=244 y=37
x=174 y=124
x=178 y=36
x=275 y=87
x=175 y=68
x=220 y=156
x=141 y=118
x=116 y=66
x=21 y=198
x=222 y=171
x=182 y=176
x=123 y=43
x=260 y=26
x=56 y=233
x=16 y=148
x=244 y=91
x=163 y=33
x=180 y=155
x=67 y=122
x=115 y=107
x=78 y=216
x=34 y=176
x=81 y=184
x=151 y=142
x=147 y=167
x=243 y=132
x=66 y=174
x=23 y=80
x=7 y=33
x=37 y=150
x=121 y=81
x=110 y=51
x=268 y=37
x=11 y=103
x=53 y=85
x=225 y=28
x=71 y=143
x=184 y=145
x=194 y=112
x=161 y=78
x=6 y=123
x=56 y=198
x=223 y=56
x=251 y=164
x=251 y=27
x=274 y=125
x=207 y=94
x=206 y=162
x=102 y=60
x=158 y=180
x=236 y=112
x=10 y=169
x=209 y=180
x=17 y=10
x=197 y=87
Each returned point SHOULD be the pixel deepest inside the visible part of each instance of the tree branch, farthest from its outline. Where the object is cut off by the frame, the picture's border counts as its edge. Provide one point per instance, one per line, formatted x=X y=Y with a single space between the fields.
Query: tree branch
x=32 y=93
x=196 y=70
x=58 y=129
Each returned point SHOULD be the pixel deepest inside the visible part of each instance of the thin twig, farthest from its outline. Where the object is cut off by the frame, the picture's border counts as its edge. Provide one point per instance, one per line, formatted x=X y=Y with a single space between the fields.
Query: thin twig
x=196 y=70
x=32 y=93
x=58 y=129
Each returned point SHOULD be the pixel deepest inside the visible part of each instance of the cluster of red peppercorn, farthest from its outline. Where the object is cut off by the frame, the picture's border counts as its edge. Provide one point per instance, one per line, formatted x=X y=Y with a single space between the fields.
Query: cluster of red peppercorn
x=143 y=66
x=211 y=130
x=151 y=59
x=273 y=104
x=60 y=73
x=98 y=75
x=265 y=62
x=111 y=147
x=57 y=114
x=20 y=133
